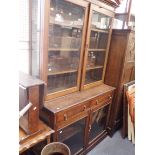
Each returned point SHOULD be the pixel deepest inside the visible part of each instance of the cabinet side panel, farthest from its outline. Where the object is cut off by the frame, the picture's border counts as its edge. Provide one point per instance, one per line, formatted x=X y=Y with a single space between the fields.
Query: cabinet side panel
x=114 y=70
x=115 y=59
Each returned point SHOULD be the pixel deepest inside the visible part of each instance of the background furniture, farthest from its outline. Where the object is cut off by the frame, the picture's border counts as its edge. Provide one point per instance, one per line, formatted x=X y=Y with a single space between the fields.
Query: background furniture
x=126 y=14
x=130 y=93
x=28 y=141
x=30 y=90
x=120 y=70
x=31 y=130
x=128 y=124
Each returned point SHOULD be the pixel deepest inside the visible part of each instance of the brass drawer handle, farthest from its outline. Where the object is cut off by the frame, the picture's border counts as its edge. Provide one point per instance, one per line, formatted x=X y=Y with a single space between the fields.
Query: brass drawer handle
x=65 y=117
x=84 y=107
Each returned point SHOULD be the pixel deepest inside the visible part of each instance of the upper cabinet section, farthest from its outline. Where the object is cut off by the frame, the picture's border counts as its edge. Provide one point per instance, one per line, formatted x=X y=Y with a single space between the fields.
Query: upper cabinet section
x=74 y=44
x=65 y=45
x=97 y=45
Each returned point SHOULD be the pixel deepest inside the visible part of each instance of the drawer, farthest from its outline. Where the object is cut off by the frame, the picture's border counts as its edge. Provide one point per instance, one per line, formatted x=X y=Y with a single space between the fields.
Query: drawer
x=68 y=113
x=102 y=99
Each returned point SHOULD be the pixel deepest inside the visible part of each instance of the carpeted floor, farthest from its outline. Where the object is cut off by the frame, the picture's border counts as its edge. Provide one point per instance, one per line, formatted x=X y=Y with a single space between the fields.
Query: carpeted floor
x=114 y=146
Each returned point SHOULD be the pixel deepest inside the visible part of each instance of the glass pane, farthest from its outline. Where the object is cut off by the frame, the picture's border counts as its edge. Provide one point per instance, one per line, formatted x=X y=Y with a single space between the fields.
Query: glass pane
x=98 y=122
x=93 y=75
x=73 y=136
x=97 y=47
x=61 y=38
x=62 y=70
x=61 y=81
x=100 y=21
x=98 y=40
x=66 y=22
x=95 y=59
x=65 y=34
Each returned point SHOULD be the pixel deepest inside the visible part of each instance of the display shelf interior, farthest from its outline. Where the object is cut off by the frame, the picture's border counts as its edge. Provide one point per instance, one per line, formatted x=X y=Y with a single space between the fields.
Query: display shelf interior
x=99 y=30
x=62 y=49
x=57 y=72
x=98 y=41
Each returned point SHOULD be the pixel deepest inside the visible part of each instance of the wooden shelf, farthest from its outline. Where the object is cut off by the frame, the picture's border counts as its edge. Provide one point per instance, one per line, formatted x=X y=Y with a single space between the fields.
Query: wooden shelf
x=97 y=50
x=63 y=49
x=99 y=30
x=95 y=67
x=65 y=25
x=62 y=71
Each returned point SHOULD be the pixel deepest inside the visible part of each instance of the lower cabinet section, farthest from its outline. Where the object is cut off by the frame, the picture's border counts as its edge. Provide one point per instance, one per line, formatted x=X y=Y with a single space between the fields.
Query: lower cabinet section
x=73 y=135
x=80 y=119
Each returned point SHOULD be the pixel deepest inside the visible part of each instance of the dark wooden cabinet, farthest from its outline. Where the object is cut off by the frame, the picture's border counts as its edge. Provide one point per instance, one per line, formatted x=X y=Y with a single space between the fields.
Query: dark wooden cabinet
x=79 y=119
x=120 y=70
x=74 y=44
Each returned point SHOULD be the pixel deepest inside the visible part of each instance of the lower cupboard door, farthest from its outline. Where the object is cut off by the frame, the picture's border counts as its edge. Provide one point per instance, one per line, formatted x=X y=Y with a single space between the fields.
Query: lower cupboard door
x=73 y=135
x=98 y=122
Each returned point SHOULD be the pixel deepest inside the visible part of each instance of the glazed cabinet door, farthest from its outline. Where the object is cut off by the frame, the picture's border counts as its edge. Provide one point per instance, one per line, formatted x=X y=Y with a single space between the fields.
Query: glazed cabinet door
x=97 y=46
x=98 y=122
x=74 y=135
x=65 y=42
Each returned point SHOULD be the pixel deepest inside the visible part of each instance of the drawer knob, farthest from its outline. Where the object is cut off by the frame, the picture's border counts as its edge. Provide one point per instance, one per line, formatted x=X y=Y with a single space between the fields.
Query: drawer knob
x=97 y=102
x=84 y=107
x=65 y=117
x=110 y=97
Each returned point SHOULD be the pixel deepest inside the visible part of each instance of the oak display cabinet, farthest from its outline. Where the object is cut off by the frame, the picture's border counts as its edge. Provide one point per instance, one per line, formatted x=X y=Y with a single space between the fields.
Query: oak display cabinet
x=74 y=45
